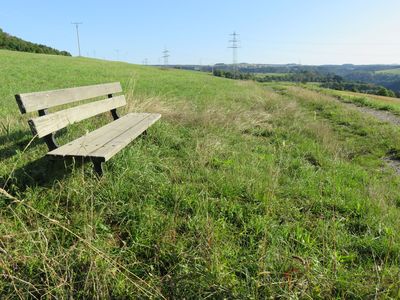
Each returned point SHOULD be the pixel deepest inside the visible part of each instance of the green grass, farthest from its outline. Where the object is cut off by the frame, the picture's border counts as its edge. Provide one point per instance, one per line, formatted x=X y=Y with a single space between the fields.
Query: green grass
x=242 y=190
x=395 y=71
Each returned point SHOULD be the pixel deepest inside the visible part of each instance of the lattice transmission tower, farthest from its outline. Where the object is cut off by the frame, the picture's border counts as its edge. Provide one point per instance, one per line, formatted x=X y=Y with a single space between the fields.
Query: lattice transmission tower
x=166 y=56
x=234 y=45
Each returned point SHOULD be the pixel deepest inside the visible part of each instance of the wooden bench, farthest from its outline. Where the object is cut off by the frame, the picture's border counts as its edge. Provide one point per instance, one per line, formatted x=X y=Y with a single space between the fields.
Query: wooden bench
x=99 y=145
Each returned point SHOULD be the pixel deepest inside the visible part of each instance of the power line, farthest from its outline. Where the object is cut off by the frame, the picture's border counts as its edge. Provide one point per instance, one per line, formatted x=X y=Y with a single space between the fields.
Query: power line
x=165 y=57
x=77 y=35
x=234 y=45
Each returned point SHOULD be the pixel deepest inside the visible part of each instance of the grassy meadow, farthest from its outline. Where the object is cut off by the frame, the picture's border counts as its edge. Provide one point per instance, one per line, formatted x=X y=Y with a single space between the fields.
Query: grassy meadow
x=241 y=191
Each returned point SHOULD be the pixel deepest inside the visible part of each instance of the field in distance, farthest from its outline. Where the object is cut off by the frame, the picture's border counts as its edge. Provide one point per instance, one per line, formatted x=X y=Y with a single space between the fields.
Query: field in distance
x=395 y=71
x=242 y=190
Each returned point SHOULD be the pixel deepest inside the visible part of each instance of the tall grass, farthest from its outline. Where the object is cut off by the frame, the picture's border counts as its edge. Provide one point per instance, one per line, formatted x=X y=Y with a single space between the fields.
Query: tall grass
x=241 y=191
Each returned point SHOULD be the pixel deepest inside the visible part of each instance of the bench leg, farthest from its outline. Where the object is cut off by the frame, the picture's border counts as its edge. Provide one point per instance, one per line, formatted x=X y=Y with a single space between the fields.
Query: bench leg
x=98 y=167
x=50 y=141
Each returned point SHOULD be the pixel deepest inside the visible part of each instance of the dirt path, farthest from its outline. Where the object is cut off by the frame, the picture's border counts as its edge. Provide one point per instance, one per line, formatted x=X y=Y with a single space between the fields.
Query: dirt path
x=393 y=163
x=382 y=115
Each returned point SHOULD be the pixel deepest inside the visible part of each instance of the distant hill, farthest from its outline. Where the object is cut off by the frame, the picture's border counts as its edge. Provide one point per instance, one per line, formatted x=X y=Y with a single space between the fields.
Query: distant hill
x=387 y=76
x=10 y=42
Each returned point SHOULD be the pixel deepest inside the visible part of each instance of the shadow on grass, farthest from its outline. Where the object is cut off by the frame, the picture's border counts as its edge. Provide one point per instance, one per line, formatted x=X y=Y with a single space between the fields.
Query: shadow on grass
x=18 y=139
x=43 y=172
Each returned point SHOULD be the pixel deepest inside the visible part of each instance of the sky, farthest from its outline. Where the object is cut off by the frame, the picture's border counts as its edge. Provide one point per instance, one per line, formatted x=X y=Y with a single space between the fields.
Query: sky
x=197 y=31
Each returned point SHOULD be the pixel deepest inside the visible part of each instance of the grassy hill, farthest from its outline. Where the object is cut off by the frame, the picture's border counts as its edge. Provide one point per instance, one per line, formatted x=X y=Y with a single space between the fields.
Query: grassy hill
x=241 y=191
x=10 y=42
x=390 y=71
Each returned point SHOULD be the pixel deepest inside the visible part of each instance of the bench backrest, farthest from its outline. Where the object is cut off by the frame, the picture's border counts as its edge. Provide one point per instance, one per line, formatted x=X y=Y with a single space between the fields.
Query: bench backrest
x=46 y=123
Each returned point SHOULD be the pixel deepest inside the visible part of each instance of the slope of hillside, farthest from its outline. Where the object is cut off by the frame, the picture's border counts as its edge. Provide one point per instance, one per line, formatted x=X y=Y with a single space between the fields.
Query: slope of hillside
x=241 y=191
x=390 y=71
x=10 y=42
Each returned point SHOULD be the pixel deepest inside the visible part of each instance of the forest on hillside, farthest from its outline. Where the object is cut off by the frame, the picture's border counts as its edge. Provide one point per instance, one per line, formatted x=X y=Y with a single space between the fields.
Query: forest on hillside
x=10 y=42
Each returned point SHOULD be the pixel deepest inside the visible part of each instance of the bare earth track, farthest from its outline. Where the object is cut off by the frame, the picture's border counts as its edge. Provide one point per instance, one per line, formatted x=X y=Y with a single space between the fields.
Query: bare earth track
x=384 y=116
x=381 y=115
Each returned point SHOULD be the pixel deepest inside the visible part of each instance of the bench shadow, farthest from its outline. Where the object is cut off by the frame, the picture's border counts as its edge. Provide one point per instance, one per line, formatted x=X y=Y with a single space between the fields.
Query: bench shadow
x=19 y=141
x=43 y=172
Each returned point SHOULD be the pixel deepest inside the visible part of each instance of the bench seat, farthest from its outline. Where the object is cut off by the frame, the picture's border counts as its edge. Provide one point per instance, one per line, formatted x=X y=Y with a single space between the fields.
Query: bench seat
x=105 y=142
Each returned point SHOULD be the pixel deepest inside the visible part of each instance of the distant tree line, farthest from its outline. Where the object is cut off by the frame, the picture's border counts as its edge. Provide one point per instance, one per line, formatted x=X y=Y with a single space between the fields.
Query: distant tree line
x=349 y=72
x=366 y=88
x=233 y=75
x=331 y=81
x=389 y=81
x=301 y=76
x=10 y=42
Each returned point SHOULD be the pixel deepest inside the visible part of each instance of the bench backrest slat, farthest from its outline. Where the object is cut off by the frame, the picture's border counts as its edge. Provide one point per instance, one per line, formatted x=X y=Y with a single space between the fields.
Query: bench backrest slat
x=50 y=123
x=43 y=100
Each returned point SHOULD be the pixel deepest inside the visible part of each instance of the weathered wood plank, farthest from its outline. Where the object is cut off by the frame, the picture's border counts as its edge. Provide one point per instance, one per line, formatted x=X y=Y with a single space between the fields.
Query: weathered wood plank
x=95 y=139
x=118 y=143
x=108 y=140
x=45 y=125
x=41 y=100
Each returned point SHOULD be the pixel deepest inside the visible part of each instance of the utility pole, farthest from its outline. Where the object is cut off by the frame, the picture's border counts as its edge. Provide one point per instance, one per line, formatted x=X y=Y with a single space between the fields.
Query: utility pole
x=165 y=57
x=234 y=45
x=77 y=35
x=145 y=61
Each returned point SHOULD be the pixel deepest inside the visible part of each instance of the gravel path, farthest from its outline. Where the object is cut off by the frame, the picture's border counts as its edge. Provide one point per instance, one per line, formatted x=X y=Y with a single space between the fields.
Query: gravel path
x=382 y=115
x=385 y=116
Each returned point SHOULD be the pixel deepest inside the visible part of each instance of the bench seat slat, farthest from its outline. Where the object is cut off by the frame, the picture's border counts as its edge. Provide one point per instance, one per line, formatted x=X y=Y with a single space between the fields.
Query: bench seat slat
x=42 y=100
x=50 y=123
x=108 y=140
x=93 y=140
x=112 y=147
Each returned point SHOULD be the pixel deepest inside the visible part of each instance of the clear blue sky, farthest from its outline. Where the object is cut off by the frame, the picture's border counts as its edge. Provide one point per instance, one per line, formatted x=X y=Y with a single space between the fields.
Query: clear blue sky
x=197 y=31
